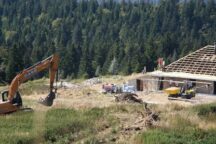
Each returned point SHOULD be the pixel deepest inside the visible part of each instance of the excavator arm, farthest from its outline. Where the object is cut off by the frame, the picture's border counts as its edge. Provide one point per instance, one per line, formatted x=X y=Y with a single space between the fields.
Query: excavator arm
x=50 y=63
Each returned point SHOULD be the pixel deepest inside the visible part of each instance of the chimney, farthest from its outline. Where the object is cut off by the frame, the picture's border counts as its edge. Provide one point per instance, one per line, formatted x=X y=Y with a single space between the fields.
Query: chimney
x=215 y=48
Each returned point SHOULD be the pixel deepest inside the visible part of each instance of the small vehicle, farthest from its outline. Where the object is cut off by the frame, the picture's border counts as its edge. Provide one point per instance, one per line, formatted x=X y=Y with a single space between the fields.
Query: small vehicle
x=177 y=92
x=109 y=88
x=185 y=91
x=128 y=88
x=11 y=99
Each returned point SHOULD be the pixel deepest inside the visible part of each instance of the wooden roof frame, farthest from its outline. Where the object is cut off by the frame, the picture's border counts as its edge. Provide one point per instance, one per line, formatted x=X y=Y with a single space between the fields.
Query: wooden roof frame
x=202 y=61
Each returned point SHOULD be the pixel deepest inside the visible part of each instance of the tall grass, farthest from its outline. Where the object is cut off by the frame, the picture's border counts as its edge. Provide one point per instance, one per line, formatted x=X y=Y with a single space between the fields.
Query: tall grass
x=60 y=126
x=181 y=130
x=192 y=136
x=63 y=125
x=206 y=112
x=16 y=128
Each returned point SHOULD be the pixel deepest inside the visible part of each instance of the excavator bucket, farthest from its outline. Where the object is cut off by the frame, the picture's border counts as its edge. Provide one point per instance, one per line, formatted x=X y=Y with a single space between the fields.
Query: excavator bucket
x=48 y=101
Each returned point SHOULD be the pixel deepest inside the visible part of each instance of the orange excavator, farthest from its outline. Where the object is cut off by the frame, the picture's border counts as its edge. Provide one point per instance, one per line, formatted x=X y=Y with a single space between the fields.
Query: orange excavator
x=11 y=99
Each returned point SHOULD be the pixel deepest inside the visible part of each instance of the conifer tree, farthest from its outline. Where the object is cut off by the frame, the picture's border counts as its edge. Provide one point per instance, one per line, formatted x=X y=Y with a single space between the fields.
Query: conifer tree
x=15 y=63
x=113 y=69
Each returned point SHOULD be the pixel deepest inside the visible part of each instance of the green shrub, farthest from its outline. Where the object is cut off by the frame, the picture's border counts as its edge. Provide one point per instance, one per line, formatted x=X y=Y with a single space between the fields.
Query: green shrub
x=206 y=111
x=180 y=131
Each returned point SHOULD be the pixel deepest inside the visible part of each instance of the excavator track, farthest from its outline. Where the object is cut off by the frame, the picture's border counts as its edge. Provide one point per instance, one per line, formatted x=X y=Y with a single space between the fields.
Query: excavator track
x=26 y=109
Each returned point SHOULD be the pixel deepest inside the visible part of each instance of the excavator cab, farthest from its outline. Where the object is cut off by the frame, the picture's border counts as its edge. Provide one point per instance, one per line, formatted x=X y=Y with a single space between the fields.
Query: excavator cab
x=7 y=106
x=17 y=100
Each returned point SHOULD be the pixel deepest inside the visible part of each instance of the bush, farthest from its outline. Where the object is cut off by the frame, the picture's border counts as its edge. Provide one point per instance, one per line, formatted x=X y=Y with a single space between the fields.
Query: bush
x=180 y=131
x=206 y=111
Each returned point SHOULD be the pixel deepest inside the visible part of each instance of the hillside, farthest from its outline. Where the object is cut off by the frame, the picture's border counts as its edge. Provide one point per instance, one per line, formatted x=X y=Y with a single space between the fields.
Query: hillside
x=94 y=39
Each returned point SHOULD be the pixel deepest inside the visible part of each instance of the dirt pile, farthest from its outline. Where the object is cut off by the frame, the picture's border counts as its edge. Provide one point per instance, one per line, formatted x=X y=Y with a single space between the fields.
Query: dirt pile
x=128 y=97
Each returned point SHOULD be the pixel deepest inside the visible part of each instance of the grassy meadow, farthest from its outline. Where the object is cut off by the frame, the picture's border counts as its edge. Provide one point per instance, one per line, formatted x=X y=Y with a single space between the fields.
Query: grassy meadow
x=59 y=126
x=177 y=124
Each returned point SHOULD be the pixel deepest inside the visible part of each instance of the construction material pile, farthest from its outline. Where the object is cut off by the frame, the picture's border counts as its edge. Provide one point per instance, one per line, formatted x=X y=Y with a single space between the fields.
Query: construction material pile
x=67 y=85
x=128 y=88
x=92 y=81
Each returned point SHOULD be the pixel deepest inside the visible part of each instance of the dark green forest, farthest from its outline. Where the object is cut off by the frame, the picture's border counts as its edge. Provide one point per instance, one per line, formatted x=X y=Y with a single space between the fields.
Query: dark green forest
x=96 y=38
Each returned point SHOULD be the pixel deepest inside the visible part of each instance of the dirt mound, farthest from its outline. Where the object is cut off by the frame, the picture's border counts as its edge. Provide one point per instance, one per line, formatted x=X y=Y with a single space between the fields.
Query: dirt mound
x=129 y=97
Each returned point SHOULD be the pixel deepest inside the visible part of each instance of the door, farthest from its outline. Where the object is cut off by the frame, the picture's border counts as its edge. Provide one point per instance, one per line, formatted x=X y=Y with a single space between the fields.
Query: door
x=139 y=85
x=214 y=87
x=160 y=82
x=193 y=82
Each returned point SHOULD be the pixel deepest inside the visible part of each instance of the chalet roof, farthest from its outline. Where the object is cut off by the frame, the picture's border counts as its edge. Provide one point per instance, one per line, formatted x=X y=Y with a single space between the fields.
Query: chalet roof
x=201 y=62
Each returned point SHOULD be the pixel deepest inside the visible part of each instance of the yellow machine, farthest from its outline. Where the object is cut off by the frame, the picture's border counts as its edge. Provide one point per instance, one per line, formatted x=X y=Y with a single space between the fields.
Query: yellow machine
x=11 y=99
x=172 y=90
x=183 y=92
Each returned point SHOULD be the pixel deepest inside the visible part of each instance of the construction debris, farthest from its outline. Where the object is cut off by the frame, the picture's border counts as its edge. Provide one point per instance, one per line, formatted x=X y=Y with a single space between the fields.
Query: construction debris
x=113 y=88
x=66 y=85
x=128 y=88
x=92 y=81
x=129 y=97
x=150 y=116
x=146 y=119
